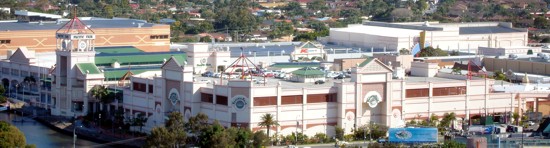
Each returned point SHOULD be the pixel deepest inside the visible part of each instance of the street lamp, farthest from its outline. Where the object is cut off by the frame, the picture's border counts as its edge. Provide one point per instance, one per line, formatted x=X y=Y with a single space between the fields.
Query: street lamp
x=297 y=126
x=74 y=132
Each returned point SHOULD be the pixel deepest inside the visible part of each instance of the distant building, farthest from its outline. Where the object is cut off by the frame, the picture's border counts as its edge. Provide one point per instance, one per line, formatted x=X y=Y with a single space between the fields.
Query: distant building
x=447 y=36
x=37 y=31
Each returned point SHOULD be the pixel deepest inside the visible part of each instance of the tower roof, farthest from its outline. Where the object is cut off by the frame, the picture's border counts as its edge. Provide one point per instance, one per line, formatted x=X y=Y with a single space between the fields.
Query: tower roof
x=75 y=26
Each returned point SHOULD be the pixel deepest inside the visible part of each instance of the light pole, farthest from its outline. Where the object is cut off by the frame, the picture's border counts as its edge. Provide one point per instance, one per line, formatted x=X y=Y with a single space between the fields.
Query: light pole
x=74 y=132
x=297 y=125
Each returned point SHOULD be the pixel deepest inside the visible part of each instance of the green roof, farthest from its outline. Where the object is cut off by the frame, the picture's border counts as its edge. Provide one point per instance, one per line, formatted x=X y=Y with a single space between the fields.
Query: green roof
x=117 y=74
x=115 y=50
x=308 y=71
x=309 y=45
x=88 y=67
x=296 y=65
x=139 y=58
x=367 y=61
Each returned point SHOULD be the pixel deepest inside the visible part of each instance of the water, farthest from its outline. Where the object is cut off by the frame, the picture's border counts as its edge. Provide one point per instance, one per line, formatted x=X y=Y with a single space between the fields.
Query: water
x=42 y=136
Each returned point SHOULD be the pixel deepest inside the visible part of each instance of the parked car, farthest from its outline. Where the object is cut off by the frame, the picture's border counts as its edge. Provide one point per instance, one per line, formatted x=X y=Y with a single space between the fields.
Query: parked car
x=339 y=77
x=216 y=75
x=208 y=74
x=531 y=123
x=261 y=81
x=319 y=82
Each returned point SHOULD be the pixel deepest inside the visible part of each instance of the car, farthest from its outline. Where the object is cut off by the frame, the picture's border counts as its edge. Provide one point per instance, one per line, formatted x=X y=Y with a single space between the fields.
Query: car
x=261 y=81
x=381 y=140
x=531 y=123
x=208 y=74
x=319 y=82
x=339 y=77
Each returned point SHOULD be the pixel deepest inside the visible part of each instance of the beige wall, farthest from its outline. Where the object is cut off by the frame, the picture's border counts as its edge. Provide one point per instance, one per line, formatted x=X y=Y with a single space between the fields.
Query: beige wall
x=541 y=68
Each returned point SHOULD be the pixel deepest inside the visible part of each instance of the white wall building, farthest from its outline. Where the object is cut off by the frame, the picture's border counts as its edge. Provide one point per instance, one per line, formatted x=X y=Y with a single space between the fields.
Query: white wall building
x=447 y=36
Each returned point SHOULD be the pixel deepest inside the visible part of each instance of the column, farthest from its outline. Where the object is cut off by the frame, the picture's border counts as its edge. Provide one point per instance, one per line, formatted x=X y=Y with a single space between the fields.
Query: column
x=279 y=97
x=486 y=95
x=430 y=99
x=304 y=109
x=403 y=96
x=359 y=105
x=467 y=102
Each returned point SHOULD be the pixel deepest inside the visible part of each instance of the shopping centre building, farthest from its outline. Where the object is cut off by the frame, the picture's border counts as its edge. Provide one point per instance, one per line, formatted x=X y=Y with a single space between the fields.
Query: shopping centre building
x=156 y=84
x=40 y=35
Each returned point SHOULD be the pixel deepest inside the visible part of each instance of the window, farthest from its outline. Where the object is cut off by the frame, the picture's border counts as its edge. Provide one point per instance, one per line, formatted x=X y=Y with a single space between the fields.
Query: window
x=139 y=87
x=221 y=100
x=5 y=41
x=265 y=101
x=150 y=88
x=154 y=37
x=291 y=100
x=318 y=98
x=446 y=91
x=417 y=93
x=207 y=98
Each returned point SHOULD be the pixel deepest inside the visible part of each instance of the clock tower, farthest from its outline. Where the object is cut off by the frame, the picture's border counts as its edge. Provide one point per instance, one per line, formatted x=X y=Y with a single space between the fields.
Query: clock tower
x=75 y=71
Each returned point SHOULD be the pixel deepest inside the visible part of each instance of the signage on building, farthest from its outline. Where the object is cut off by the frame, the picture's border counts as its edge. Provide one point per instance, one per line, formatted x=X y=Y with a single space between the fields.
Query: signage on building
x=203 y=64
x=239 y=102
x=412 y=135
x=82 y=36
x=173 y=97
x=309 y=50
x=373 y=98
x=75 y=36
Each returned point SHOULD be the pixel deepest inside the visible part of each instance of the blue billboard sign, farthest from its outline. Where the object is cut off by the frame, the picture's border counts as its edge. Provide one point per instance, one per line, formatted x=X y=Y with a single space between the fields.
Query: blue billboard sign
x=412 y=135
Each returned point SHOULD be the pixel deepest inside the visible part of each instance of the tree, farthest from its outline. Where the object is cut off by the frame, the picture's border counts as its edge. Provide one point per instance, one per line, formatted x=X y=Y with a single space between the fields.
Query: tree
x=99 y=93
x=139 y=121
x=433 y=120
x=260 y=139
x=195 y=125
x=3 y=99
x=268 y=121
x=430 y=52
x=457 y=71
x=453 y=144
x=339 y=133
x=515 y=115
x=540 y=22
x=10 y=136
x=160 y=137
x=241 y=136
x=173 y=134
x=448 y=118
x=404 y=51
x=215 y=136
x=499 y=75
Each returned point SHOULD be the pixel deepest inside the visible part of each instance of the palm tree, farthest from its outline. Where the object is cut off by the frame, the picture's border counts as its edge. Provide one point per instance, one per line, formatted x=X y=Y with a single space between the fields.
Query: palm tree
x=99 y=93
x=268 y=120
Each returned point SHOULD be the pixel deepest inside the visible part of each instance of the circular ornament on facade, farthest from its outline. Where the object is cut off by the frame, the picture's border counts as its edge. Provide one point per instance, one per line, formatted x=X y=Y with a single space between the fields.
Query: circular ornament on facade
x=174 y=96
x=82 y=45
x=239 y=102
x=373 y=98
x=203 y=61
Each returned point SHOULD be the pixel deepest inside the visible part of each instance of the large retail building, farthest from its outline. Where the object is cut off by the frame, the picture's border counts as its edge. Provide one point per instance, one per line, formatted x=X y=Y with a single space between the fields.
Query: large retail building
x=40 y=36
x=447 y=36
x=156 y=84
